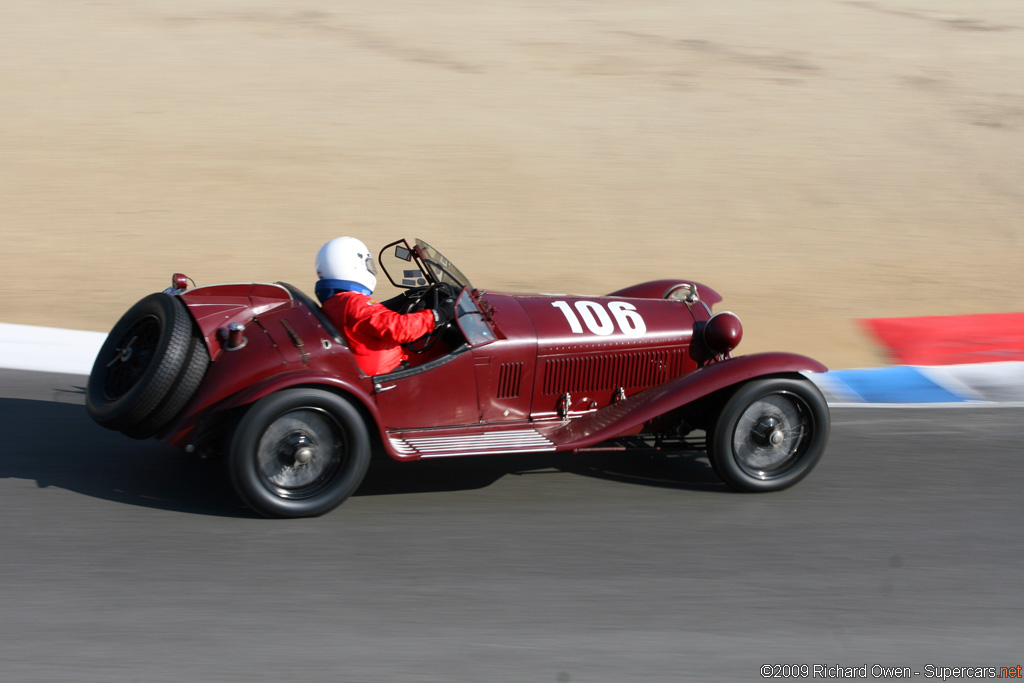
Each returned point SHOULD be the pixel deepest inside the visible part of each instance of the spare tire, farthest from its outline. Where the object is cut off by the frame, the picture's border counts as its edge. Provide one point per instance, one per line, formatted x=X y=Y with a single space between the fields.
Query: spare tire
x=148 y=368
x=183 y=389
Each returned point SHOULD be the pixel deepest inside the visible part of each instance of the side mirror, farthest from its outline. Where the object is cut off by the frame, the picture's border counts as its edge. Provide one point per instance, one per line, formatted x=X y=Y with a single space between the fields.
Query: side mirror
x=403 y=253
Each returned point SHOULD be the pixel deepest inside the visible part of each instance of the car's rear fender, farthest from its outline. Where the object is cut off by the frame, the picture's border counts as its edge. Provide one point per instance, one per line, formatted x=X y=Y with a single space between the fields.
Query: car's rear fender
x=629 y=415
x=290 y=380
x=184 y=432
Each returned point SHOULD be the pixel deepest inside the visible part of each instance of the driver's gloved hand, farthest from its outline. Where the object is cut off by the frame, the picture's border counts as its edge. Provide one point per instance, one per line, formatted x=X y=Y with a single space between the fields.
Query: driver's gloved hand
x=444 y=313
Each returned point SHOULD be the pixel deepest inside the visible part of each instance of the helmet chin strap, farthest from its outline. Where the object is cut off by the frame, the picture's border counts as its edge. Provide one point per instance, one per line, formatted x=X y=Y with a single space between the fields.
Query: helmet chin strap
x=327 y=288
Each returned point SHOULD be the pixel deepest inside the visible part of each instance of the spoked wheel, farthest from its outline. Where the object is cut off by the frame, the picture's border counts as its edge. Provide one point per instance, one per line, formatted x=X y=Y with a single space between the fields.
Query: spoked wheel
x=299 y=453
x=148 y=368
x=770 y=434
x=131 y=358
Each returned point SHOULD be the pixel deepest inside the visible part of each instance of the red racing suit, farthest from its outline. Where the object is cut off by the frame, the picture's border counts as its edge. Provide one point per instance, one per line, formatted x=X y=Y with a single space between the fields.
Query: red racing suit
x=374 y=332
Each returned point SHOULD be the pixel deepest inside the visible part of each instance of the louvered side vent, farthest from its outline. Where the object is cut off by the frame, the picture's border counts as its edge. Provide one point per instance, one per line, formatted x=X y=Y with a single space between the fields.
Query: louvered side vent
x=607 y=373
x=510 y=376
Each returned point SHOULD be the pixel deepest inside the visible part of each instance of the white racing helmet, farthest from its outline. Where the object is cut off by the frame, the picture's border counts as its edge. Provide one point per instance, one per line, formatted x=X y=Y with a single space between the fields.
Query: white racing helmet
x=346 y=260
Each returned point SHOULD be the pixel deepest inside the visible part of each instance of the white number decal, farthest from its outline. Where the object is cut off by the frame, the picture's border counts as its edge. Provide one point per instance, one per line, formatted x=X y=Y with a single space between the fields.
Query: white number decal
x=630 y=322
x=574 y=322
x=595 y=317
x=597 y=320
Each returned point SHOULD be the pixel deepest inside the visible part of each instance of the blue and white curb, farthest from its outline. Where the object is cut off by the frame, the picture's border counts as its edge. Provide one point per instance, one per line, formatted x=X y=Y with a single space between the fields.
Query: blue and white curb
x=50 y=349
x=925 y=385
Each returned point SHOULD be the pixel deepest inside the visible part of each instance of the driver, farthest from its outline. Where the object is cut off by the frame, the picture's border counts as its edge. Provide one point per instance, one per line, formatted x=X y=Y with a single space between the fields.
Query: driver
x=375 y=333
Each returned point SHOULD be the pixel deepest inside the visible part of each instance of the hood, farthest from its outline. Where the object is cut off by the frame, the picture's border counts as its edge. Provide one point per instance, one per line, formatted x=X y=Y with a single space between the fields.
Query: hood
x=572 y=324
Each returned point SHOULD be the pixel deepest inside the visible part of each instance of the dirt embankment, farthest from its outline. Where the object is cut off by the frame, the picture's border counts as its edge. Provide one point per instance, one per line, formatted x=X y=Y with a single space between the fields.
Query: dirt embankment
x=815 y=162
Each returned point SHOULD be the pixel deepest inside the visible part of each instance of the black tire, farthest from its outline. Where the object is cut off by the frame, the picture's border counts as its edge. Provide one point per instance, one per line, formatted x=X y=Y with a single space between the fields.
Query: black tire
x=137 y=376
x=770 y=434
x=184 y=388
x=299 y=453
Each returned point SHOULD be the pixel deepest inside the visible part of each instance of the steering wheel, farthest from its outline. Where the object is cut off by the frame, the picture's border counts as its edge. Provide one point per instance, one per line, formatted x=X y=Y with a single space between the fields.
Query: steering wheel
x=429 y=297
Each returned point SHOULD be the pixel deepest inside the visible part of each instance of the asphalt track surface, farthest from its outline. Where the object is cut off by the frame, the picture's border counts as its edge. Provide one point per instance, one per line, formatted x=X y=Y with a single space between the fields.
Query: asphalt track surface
x=129 y=561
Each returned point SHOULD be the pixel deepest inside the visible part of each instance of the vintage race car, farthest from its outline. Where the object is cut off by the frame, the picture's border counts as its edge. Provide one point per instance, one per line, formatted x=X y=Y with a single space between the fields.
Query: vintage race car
x=258 y=372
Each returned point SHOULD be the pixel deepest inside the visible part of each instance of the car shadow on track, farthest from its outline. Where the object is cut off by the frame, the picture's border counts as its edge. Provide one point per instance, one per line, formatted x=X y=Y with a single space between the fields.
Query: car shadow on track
x=56 y=444
x=675 y=470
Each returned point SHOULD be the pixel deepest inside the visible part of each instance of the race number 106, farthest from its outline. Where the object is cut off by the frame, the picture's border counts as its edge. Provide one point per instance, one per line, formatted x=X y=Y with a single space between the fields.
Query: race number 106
x=601 y=321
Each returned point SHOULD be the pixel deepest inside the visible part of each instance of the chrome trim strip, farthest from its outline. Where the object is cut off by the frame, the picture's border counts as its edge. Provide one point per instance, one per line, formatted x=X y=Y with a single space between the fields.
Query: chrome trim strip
x=511 y=441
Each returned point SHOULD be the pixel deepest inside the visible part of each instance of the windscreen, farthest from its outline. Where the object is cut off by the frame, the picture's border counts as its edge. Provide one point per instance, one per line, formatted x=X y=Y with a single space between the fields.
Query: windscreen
x=441 y=269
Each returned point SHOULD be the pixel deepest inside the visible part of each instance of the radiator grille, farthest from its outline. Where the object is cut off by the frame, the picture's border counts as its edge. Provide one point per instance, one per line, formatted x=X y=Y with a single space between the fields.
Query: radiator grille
x=510 y=376
x=599 y=373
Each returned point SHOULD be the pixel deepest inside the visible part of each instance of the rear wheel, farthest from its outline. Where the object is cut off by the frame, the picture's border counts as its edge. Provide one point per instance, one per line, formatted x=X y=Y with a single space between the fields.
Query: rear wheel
x=299 y=453
x=770 y=434
x=147 y=369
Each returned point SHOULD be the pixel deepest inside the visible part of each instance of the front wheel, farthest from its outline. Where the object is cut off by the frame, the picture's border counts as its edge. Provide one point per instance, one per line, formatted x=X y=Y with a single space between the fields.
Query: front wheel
x=299 y=453
x=770 y=434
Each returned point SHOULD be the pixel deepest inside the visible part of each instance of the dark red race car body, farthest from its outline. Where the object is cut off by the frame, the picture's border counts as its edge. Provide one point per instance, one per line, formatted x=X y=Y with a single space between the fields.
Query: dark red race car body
x=519 y=373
